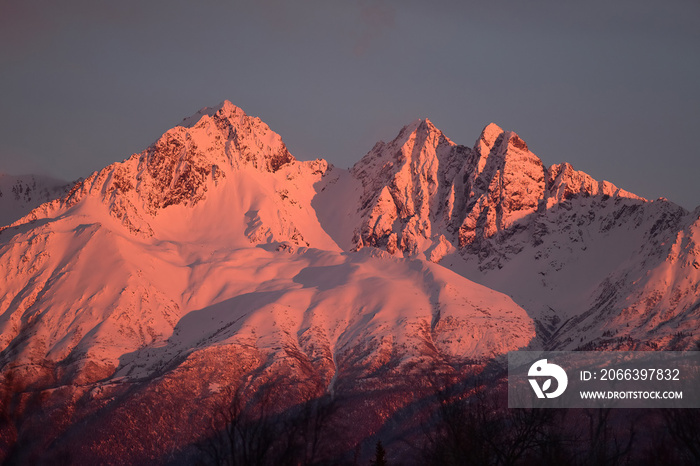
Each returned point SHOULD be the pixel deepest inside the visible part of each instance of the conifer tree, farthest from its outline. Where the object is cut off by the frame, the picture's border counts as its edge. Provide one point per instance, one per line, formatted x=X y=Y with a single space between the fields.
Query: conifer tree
x=379 y=456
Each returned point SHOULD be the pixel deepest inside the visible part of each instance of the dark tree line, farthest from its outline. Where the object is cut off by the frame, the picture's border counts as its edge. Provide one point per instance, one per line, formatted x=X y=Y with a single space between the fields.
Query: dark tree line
x=480 y=430
x=477 y=430
x=683 y=427
x=275 y=424
x=468 y=427
x=250 y=431
x=9 y=418
x=26 y=428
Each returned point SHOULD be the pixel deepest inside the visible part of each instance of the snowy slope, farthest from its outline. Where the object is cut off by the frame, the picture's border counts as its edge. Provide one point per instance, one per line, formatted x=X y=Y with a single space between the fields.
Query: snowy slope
x=559 y=242
x=215 y=211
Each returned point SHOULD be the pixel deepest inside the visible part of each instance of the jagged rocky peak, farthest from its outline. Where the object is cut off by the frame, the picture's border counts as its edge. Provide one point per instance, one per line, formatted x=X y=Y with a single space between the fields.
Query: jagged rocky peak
x=252 y=142
x=564 y=182
x=420 y=128
x=499 y=148
x=488 y=138
x=186 y=160
x=495 y=142
x=417 y=140
x=423 y=193
x=404 y=183
x=225 y=109
x=213 y=141
x=422 y=189
x=182 y=165
x=502 y=182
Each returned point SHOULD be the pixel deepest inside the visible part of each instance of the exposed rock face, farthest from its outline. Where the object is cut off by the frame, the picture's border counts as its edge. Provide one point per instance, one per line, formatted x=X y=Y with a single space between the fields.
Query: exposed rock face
x=179 y=167
x=422 y=186
x=580 y=253
x=404 y=183
x=502 y=183
x=564 y=183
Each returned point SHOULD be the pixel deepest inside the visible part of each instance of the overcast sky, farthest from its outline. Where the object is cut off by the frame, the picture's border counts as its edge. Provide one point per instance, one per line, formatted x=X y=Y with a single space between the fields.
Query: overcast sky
x=612 y=87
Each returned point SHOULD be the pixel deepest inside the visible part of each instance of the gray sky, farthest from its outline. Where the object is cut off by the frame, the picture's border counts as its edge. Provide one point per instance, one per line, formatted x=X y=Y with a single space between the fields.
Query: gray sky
x=612 y=87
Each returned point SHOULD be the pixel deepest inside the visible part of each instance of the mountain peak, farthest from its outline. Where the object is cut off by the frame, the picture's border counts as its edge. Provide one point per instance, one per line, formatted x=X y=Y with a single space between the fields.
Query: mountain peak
x=419 y=124
x=412 y=141
x=423 y=130
x=427 y=127
x=182 y=166
x=564 y=182
x=224 y=109
x=496 y=145
x=489 y=134
x=227 y=107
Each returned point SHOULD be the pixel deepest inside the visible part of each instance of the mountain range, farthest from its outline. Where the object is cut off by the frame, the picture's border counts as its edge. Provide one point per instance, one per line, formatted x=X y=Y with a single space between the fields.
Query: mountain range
x=131 y=300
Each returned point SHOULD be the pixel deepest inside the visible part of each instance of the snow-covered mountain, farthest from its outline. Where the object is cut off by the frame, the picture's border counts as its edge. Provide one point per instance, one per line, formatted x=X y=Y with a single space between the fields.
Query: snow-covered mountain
x=214 y=258
x=19 y=194
x=591 y=263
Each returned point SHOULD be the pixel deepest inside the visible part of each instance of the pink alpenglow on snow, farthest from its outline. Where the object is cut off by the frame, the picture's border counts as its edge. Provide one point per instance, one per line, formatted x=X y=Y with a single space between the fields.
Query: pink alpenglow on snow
x=215 y=259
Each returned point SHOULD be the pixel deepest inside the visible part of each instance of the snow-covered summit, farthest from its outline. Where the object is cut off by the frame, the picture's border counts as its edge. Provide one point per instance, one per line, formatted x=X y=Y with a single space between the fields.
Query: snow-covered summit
x=488 y=137
x=403 y=182
x=423 y=192
x=181 y=168
x=225 y=108
x=564 y=182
